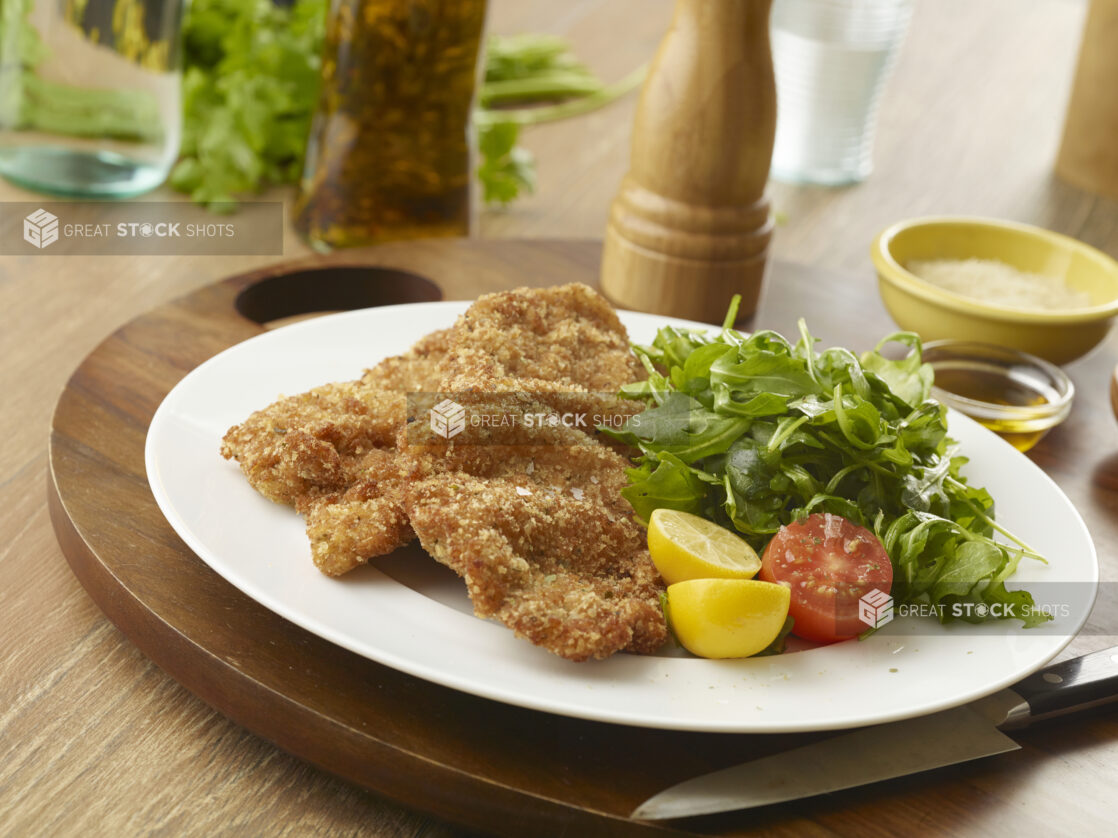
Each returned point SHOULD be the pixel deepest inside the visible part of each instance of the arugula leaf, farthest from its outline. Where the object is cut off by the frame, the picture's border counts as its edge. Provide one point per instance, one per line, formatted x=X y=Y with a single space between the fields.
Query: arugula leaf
x=908 y=378
x=972 y=562
x=684 y=428
x=755 y=432
x=668 y=484
x=762 y=372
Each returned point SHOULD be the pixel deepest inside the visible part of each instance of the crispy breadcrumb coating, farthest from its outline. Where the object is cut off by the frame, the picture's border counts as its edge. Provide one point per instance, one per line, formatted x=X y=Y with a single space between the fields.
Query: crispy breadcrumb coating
x=347 y=528
x=531 y=516
x=331 y=453
x=542 y=538
x=419 y=370
x=304 y=445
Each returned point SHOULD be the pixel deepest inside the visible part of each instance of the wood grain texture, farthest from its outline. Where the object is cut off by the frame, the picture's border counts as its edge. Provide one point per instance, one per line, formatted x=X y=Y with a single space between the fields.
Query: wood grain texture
x=462 y=758
x=432 y=748
x=690 y=226
x=96 y=740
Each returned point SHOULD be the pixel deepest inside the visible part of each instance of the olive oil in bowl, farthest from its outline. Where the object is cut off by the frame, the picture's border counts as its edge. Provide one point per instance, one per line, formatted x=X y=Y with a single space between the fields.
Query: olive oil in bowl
x=1018 y=396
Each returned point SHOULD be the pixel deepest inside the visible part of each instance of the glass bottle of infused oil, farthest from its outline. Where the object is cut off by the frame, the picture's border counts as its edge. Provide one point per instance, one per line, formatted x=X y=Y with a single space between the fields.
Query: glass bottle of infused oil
x=389 y=150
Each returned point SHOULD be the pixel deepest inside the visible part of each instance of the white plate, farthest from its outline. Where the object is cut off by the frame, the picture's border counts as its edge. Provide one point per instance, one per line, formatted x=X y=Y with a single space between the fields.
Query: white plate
x=408 y=612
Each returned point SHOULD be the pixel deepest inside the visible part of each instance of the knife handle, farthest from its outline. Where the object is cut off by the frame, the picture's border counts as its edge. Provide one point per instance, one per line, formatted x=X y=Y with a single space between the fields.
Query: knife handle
x=1071 y=685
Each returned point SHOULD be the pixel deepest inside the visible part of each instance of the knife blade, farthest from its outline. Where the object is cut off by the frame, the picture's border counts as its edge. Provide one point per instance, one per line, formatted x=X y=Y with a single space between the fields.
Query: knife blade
x=895 y=749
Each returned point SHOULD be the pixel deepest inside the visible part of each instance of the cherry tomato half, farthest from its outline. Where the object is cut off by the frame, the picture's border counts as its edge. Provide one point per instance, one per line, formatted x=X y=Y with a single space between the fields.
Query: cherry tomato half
x=829 y=563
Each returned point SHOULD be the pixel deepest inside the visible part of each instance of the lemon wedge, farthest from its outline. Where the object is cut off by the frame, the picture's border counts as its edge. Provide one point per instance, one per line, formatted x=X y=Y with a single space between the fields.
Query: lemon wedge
x=726 y=618
x=684 y=546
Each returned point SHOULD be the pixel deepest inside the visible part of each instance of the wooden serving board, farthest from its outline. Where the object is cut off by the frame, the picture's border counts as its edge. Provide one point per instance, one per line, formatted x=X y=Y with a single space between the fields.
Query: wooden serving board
x=473 y=761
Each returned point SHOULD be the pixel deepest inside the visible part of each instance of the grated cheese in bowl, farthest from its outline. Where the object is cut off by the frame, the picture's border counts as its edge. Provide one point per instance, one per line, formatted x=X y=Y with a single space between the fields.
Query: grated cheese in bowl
x=992 y=281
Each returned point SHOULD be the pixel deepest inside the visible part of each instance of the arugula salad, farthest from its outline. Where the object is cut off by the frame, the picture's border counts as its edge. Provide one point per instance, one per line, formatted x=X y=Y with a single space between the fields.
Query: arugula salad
x=757 y=434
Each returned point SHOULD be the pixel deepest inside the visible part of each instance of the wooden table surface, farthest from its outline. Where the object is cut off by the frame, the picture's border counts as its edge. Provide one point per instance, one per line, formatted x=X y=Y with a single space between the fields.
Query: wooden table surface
x=94 y=739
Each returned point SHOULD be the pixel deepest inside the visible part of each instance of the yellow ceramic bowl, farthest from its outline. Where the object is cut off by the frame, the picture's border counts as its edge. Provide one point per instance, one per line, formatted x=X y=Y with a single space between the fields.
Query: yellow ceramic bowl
x=938 y=314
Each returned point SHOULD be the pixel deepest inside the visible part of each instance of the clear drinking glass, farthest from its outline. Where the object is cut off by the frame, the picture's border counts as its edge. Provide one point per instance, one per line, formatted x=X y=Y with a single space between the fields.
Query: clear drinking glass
x=90 y=94
x=831 y=58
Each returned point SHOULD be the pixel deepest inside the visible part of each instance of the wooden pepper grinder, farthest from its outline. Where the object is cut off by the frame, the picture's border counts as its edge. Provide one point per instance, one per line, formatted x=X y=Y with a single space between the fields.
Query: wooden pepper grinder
x=1088 y=155
x=690 y=226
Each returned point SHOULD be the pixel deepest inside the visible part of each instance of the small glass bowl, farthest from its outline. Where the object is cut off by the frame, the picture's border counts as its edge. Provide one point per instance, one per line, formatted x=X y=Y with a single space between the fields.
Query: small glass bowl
x=1018 y=396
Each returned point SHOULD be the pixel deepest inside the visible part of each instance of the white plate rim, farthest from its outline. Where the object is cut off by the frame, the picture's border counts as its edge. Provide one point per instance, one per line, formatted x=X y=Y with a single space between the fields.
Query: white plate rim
x=593 y=693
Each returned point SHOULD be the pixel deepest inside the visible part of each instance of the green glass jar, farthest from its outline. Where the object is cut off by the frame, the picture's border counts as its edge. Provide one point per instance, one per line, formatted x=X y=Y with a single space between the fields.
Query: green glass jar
x=389 y=151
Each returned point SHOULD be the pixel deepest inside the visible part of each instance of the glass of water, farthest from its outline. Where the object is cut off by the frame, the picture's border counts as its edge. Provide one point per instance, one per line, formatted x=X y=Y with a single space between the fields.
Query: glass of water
x=831 y=59
x=90 y=94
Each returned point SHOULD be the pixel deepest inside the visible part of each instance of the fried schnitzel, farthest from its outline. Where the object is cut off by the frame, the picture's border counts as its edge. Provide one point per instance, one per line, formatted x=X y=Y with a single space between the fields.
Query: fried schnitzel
x=536 y=526
x=529 y=514
x=331 y=453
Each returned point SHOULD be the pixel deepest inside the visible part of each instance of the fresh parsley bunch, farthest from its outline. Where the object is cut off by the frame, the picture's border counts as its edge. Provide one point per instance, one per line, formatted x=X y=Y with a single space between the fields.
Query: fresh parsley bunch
x=250 y=88
x=754 y=432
